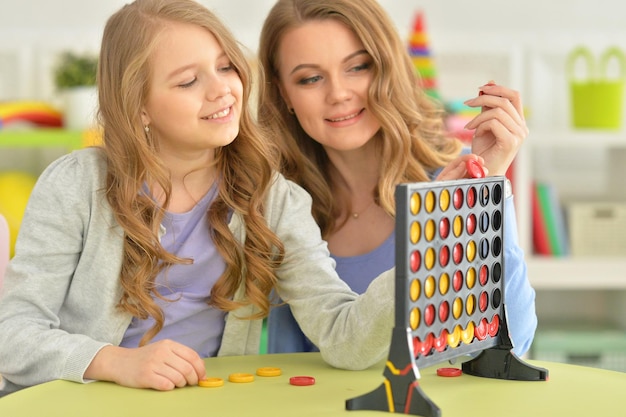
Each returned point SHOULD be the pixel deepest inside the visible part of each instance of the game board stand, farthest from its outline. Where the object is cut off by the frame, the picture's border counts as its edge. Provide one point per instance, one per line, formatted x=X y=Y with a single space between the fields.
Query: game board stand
x=401 y=391
x=413 y=344
x=501 y=363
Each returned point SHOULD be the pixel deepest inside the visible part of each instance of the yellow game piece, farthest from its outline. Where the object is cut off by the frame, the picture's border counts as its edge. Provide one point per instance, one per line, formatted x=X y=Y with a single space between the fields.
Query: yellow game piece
x=467 y=334
x=454 y=338
x=430 y=230
x=457 y=226
x=470 y=278
x=430 y=258
x=415 y=290
x=240 y=377
x=416 y=203
x=470 y=305
x=457 y=308
x=211 y=382
x=429 y=286
x=471 y=251
x=444 y=283
x=444 y=200
x=414 y=318
x=269 y=371
x=430 y=201
x=416 y=230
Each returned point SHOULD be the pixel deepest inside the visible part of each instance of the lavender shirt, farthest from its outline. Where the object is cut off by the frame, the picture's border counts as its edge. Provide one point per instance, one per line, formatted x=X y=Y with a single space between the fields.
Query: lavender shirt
x=188 y=318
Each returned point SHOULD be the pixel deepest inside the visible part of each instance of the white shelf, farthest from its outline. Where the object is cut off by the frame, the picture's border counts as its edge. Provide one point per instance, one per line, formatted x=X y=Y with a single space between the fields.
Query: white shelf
x=559 y=138
x=567 y=273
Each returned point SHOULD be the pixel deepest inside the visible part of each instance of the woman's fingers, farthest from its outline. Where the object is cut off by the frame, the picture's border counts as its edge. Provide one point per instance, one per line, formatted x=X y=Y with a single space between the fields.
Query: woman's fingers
x=457 y=168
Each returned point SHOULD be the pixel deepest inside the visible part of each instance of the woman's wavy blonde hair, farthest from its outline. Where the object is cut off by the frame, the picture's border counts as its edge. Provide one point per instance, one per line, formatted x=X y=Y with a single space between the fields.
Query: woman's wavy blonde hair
x=245 y=167
x=412 y=139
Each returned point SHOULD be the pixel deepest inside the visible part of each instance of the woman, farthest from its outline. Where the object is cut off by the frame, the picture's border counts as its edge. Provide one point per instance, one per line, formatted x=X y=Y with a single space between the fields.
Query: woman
x=354 y=123
x=138 y=259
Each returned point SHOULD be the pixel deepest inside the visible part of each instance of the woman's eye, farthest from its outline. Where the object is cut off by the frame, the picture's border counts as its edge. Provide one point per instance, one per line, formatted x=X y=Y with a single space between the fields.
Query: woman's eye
x=189 y=84
x=361 y=67
x=227 y=68
x=309 y=80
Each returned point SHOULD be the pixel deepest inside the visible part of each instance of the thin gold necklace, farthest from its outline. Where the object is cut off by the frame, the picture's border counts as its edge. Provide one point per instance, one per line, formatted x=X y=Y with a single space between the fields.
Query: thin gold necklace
x=356 y=214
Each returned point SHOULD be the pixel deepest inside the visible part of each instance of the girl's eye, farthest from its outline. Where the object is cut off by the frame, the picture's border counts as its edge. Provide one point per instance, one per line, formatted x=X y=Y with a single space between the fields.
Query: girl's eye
x=189 y=84
x=227 y=68
x=309 y=80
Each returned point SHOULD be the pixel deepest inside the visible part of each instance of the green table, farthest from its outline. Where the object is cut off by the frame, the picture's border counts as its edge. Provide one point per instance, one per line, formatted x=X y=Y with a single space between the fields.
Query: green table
x=571 y=391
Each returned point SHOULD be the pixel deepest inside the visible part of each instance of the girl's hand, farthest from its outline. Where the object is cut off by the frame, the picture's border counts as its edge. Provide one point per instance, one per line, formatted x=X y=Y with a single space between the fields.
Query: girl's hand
x=457 y=168
x=500 y=127
x=163 y=365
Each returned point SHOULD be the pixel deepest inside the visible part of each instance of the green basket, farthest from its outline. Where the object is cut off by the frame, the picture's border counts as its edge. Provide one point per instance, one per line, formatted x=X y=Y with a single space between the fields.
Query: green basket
x=597 y=101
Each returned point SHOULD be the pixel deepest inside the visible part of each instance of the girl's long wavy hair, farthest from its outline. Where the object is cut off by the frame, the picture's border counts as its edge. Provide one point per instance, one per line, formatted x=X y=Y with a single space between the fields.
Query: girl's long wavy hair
x=245 y=167
x=412 y=138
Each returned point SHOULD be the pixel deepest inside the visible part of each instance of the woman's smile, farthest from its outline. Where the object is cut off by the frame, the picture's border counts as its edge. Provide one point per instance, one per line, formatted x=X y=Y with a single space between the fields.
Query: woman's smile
x=345 y=118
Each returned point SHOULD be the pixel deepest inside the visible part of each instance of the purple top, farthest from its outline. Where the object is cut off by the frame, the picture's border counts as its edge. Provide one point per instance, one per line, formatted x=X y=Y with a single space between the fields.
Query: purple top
x=283 y=332
x=188 y=318
x=359 y=271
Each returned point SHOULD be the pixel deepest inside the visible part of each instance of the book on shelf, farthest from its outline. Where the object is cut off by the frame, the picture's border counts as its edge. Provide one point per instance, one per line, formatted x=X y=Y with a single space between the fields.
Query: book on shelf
x=550 y=236
x=541 y=244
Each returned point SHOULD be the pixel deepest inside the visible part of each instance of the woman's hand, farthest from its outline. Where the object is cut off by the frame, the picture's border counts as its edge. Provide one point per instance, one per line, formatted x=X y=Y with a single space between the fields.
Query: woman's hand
x=163 y=365
x=457 y=168
x=500 y=128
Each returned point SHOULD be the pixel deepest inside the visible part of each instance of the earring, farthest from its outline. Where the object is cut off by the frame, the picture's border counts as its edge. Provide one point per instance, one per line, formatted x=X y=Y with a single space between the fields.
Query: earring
x=291 y=111
x=146 y=128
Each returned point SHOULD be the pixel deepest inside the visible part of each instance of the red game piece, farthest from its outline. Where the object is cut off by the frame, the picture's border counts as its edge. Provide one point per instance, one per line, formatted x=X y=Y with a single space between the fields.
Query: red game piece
x=449 y=372
x=301 y=380
x=442 y=341
x=474 y=169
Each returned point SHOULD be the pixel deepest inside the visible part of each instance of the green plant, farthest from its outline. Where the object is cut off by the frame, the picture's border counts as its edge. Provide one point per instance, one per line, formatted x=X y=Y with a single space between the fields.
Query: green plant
x=74 y=70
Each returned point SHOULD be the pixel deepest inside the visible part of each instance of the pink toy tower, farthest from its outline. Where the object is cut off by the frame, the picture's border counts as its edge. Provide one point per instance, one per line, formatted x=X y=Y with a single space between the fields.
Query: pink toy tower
x=421 y=57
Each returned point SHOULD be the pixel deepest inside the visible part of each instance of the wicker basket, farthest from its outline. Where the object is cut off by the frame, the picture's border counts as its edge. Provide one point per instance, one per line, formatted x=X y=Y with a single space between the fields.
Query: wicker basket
x=597 y=228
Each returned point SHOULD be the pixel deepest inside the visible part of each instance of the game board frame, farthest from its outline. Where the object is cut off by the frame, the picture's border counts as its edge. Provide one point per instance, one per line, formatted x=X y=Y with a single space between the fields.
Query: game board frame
x=492 y=357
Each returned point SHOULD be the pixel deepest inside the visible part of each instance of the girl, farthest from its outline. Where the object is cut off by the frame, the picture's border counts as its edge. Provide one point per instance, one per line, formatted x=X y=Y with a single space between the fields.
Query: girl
x=137 y=259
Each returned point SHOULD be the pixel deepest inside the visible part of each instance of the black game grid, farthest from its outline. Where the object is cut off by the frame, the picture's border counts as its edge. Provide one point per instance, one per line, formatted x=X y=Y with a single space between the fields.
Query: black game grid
x=449 y=292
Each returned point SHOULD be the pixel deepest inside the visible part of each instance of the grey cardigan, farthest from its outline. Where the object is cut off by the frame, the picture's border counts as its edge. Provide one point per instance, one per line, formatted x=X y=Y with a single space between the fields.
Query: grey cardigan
x=58 y=306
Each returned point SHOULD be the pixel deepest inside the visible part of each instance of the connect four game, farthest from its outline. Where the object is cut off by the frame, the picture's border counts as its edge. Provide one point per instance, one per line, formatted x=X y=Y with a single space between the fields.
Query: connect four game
x=449 y=292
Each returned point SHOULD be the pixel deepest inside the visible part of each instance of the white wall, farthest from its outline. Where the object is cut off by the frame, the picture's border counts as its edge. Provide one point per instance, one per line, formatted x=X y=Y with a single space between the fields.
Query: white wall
x=33 y=31
x=43 y=21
